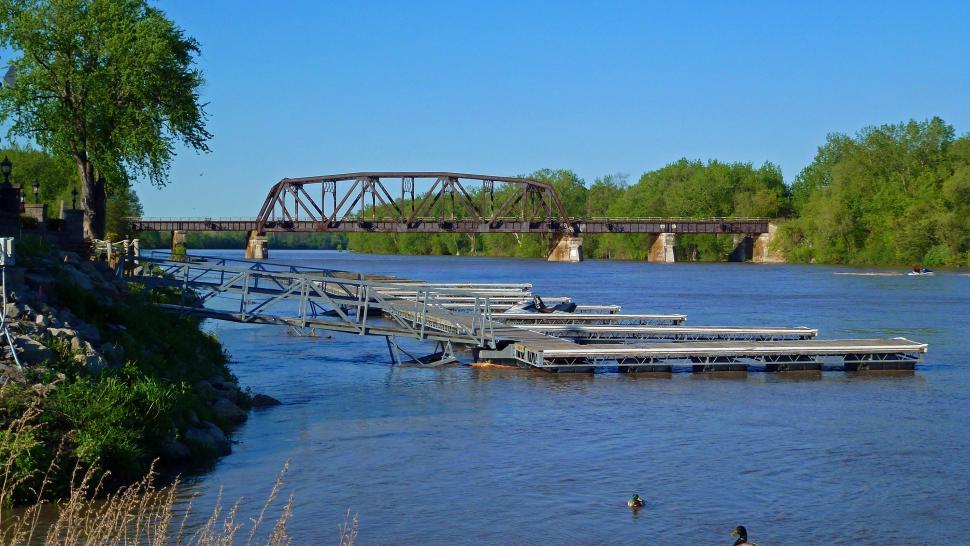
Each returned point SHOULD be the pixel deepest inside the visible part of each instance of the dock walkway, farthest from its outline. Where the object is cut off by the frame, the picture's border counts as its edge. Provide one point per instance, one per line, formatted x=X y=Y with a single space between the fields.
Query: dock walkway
x=463 y=315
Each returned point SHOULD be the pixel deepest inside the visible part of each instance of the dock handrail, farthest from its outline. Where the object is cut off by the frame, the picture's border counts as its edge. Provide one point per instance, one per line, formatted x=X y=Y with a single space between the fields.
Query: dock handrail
x=324 y=298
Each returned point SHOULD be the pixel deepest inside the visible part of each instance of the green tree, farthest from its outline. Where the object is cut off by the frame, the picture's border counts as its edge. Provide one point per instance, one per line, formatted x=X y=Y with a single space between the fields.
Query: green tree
x=694 y=188
x=891 y=194
x=109 y=83
x=604 y=192
x=56 y=175
x=124 y=203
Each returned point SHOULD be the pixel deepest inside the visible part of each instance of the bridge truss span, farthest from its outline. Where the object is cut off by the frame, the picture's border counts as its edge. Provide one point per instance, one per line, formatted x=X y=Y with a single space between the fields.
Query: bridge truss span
x=448 y=202
x=392 y=201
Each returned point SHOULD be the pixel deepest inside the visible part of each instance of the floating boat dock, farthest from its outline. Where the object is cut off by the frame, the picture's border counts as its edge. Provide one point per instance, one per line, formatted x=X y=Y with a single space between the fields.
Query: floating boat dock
x=469 y=316
x=771 y=356
x=617 y=333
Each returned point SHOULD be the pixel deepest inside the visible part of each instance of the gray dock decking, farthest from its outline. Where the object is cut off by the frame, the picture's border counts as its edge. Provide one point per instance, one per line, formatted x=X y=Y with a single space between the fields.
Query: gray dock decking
x=462 y=314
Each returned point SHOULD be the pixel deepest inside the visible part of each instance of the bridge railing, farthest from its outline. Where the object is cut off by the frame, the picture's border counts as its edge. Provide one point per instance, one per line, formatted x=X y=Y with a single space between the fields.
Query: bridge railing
x=672 y=219
x=745 y=219
x=320 y=298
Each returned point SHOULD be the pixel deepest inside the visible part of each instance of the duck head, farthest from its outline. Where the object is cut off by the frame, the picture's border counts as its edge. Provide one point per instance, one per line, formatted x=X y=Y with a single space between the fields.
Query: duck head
x=740 y=532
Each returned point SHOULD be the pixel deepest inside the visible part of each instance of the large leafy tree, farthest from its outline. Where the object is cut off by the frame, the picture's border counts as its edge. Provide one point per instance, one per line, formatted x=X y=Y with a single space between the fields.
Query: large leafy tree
x=895 y=193
x=111 y=84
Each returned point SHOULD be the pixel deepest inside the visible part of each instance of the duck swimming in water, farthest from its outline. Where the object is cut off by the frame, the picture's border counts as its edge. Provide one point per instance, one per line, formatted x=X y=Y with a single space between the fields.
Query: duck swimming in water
x=636 y=502
x=742 y=535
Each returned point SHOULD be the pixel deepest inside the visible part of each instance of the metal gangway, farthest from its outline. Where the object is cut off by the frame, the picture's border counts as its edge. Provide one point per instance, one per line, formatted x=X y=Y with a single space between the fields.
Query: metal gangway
x=307 y=299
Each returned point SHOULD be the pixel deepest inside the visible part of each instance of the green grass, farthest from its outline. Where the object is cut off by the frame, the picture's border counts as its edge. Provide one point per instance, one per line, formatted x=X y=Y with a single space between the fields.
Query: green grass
x=116 y=418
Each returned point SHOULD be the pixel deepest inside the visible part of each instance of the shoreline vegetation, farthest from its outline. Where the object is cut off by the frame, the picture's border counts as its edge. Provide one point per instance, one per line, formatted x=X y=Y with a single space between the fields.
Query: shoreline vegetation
x=109 y=385
x=890 y=195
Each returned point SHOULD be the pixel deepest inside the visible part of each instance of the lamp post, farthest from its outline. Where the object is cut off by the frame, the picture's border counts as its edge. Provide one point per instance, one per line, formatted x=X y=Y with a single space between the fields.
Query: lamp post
x=36 y=191
x=74 y=198
x=5 y=167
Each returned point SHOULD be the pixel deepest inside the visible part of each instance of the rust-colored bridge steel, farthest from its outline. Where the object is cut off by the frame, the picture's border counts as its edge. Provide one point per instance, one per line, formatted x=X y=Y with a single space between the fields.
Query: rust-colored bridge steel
x=455 y=202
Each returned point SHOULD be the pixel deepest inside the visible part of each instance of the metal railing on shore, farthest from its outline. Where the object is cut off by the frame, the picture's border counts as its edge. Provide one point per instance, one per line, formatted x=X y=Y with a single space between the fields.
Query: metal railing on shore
x=109 y=250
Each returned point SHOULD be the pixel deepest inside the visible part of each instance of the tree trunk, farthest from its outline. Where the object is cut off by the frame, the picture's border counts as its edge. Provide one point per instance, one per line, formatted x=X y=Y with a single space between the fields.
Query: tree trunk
x=93 y=198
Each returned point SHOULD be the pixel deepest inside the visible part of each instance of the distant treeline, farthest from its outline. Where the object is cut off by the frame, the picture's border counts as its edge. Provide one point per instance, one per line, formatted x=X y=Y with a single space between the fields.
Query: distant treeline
x=893 y=194
x=237 y=239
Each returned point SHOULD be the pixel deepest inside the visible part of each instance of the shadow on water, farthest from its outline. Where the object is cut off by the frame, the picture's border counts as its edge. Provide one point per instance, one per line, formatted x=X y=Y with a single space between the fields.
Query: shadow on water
x=793 y=376
x=648 y=376
x=720 y=376
x=499 y=373
x=885 y=374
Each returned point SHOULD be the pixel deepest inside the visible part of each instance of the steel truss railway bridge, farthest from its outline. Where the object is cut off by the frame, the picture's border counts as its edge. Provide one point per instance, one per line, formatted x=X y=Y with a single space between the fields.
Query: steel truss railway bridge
x=389 y=202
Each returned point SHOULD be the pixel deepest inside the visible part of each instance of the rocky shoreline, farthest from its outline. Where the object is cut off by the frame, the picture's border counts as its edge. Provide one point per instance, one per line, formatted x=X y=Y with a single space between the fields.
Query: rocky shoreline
x=47 y=295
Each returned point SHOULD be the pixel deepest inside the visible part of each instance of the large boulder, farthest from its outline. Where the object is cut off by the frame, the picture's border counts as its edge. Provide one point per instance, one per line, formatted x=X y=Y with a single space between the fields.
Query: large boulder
x=32 y=350
x=264 y=401
x=205 y=390
x=221 y=383
x=10 y=372
x=12 y=311
x=62 y=333
x=94 y=362
x=209 y=436
x=76 y=276
x=28 y=328
x=89 y=331
x=90 y=269
x=37 y=278
x=229 y=411
x=114 y=353
x=175 y=450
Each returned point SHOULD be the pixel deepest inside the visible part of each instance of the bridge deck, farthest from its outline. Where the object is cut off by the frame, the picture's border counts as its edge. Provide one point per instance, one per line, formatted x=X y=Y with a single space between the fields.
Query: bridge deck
x=748 y=226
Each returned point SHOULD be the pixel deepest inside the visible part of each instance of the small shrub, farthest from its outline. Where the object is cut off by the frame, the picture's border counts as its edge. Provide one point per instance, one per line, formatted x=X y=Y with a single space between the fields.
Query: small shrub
x=28 y=222
x=938 y=255
x=29 y=249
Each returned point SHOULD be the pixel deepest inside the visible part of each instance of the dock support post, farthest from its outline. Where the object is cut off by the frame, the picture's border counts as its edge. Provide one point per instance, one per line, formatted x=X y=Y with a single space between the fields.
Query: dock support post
x=869 y=362
x=799 y=363
x=179 y=248
x=662 y=248
x=257 y=247
x=717 y=364
x=567 y=249
x=632 y=365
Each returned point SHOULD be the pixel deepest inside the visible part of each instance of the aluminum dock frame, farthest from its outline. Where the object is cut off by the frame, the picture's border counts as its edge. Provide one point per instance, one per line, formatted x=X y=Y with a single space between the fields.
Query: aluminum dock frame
x=462 y=317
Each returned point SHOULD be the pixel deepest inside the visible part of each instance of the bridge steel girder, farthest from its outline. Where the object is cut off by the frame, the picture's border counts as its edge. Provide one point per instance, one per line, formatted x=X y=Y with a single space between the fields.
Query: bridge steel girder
x=294 y=202
x=745 y=226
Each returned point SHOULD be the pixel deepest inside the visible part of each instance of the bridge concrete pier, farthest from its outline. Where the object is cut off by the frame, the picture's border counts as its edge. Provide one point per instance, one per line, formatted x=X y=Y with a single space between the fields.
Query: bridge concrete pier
x=761 y=252
x=567 y=249
x=743 y=249
x=179 y=247
x=257 y=246
x=662 y=248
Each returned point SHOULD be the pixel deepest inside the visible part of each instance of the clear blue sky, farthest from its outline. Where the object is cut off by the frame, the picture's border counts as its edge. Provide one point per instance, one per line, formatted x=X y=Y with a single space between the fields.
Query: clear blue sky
x=301 y=88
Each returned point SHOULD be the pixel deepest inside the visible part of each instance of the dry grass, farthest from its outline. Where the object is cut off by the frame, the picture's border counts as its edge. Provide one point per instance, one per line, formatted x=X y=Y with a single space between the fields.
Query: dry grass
x=142 y=513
